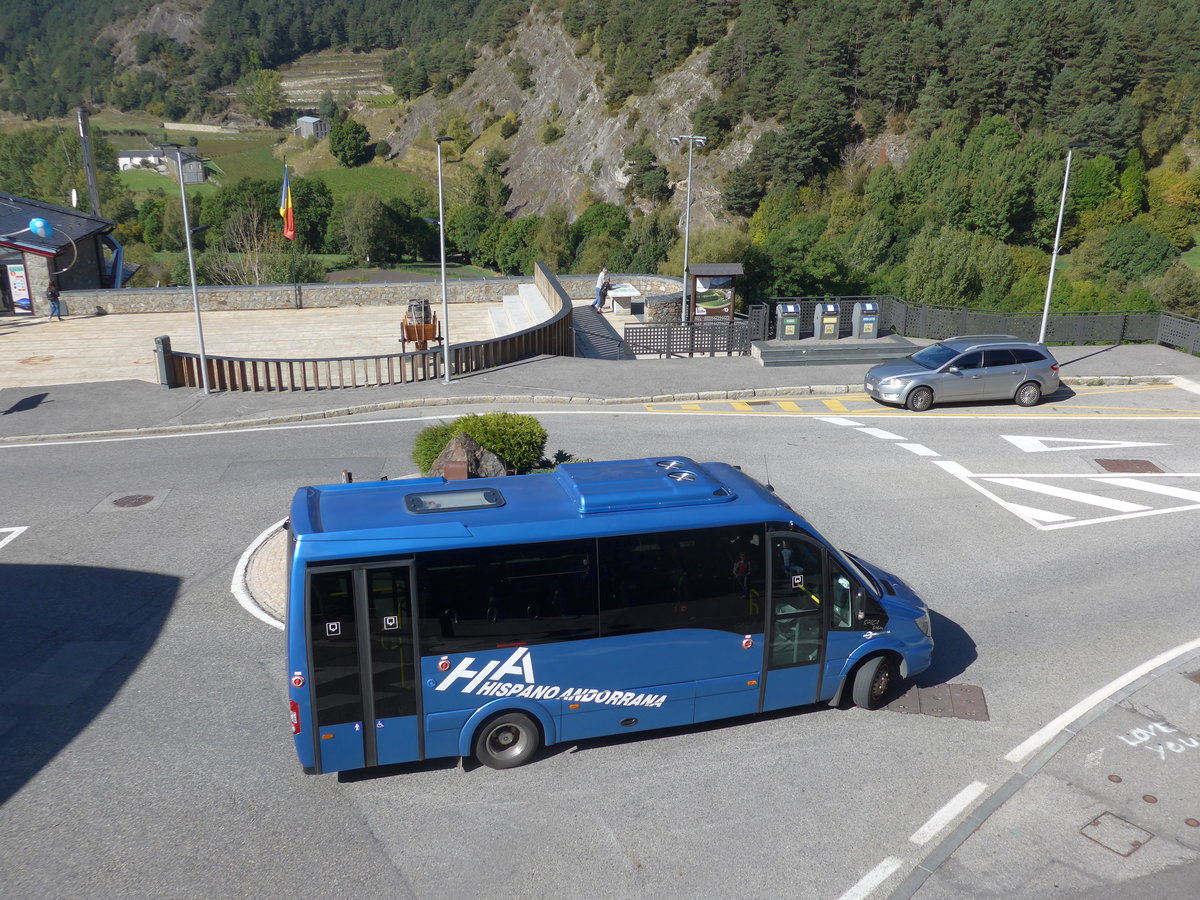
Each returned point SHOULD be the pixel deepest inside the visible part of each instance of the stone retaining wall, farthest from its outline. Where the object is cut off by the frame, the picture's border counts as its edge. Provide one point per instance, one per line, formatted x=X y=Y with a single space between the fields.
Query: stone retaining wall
x=285 y=296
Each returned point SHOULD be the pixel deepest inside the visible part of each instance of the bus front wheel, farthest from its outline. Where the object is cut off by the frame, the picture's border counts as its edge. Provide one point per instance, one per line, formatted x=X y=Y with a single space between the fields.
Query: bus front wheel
x=872 y=683
x=507 y=741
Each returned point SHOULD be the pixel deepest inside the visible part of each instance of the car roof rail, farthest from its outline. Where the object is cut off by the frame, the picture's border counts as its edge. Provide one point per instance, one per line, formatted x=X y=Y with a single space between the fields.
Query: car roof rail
x=986 y=338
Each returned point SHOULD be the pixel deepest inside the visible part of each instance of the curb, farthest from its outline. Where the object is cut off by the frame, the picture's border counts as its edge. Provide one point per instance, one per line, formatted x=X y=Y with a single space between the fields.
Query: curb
x=240 y=588
x=737 y=394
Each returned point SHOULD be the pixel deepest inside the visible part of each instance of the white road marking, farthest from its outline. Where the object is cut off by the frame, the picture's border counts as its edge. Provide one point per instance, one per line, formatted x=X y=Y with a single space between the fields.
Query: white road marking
x=880 y=433
x=1040 y=444
x=872 y=879
x=919 y=449
x=948 y=813
x=238 y=587
x=13 y=532
x=1151 y=487
x=1044 y=735
x=837 y=420
x=1068 y=494
x=1037 y=515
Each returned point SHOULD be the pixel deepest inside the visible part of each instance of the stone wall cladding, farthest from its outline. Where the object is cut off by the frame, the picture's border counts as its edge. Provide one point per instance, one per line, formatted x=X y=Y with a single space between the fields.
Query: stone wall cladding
x=284 y=296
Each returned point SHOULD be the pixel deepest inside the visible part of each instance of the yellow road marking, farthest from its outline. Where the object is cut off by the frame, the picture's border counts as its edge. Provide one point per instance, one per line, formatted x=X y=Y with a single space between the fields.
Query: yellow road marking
x=788 y=406
x=741 y=405
x=835 y=405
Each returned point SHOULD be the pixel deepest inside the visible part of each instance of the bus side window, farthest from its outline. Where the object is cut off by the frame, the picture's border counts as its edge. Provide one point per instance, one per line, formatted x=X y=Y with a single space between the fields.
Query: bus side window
x=710 y=578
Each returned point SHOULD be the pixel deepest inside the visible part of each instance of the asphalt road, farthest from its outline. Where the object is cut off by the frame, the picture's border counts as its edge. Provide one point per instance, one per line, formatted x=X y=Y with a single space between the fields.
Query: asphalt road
x=144 y=724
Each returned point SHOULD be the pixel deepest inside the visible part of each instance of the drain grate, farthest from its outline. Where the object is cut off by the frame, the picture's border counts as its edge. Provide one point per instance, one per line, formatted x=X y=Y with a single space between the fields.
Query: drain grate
x=1133 y=466
x=955 y=701
x=1113 y=833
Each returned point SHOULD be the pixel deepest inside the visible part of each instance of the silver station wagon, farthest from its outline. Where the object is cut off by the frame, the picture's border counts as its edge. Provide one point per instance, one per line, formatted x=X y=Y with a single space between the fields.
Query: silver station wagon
x=964 y=369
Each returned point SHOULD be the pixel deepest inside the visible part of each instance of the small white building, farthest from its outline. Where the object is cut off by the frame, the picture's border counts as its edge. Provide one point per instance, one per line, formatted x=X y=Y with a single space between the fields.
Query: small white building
x=311 y=126
x=136 y=159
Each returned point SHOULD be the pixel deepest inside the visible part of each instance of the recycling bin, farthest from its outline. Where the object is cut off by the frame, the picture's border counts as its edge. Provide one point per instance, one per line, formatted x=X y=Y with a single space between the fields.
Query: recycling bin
x=865 y=323
x=787 y=321
x=825 y=321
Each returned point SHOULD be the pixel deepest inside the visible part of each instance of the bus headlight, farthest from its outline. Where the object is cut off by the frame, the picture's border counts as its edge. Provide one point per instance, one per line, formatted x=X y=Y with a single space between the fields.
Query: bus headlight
x=924 y=624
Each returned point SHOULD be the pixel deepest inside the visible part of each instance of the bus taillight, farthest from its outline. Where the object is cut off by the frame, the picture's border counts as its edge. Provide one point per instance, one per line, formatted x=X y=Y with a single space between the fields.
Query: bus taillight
x=294 y=707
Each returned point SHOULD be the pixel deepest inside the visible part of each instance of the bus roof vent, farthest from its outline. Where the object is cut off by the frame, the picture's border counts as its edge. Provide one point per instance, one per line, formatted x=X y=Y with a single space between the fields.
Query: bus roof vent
x=629 y=484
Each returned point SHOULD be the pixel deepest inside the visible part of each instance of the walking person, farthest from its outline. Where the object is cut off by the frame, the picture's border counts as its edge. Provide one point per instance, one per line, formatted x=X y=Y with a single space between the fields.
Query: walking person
x=55 y=303
x=602 y=286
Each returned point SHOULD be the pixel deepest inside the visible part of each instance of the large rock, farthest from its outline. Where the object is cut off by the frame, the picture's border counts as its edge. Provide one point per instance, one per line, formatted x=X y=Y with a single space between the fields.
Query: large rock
x=463 y=448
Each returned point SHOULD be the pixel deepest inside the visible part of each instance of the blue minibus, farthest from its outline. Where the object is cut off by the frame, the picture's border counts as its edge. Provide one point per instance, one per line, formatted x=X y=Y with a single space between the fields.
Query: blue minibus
x=491 y=617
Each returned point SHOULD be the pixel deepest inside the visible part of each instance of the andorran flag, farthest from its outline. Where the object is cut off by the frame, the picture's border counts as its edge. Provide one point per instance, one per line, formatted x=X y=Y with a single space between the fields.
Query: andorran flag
x=285 y=208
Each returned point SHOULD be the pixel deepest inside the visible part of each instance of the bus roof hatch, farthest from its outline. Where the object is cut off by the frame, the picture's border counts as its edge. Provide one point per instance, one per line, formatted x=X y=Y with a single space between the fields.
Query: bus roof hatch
x=653 y=483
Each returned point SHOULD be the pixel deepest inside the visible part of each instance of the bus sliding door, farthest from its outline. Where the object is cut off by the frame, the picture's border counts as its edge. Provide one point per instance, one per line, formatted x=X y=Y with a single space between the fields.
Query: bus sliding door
x=795 y=638
x=364 y=667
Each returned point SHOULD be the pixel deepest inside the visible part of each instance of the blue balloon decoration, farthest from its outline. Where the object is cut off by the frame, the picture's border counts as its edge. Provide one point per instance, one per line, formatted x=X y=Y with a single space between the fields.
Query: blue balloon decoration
x=41 y=228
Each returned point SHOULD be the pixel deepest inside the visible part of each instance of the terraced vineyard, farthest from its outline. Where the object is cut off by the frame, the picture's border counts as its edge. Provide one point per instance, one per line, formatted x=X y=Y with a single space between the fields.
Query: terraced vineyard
x=343 y=73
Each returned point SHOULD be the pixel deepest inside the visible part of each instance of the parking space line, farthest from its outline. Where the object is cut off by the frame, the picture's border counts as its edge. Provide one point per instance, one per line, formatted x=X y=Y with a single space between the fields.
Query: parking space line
x=948 y=813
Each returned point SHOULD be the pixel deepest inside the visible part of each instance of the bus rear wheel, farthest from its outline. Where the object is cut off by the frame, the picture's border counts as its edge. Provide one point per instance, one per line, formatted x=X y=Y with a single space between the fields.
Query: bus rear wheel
x=873 y=682
x=507 y=741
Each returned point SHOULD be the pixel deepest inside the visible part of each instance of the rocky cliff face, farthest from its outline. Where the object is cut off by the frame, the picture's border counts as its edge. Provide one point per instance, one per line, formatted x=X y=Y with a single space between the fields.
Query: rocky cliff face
x=590 y=154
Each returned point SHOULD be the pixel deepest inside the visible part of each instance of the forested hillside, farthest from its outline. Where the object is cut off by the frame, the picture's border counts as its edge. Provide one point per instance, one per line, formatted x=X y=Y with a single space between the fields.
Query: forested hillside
x=914 y=146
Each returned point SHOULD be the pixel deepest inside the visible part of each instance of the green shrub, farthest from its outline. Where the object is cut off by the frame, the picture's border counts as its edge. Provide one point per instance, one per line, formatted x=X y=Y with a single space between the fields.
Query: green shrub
x=518 y=440
x=430 y=442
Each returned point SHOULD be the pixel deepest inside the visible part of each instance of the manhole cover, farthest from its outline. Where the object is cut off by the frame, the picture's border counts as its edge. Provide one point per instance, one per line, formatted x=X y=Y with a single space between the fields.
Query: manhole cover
x=1114 y=833
x=1128 y=465
x=957 y=701
x=131 y=500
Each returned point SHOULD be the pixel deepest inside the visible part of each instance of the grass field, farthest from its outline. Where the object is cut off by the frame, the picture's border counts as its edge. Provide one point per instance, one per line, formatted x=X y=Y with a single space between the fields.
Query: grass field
x=257 y=160
x=143 y=181
x=382 y=181
x=1192 y=257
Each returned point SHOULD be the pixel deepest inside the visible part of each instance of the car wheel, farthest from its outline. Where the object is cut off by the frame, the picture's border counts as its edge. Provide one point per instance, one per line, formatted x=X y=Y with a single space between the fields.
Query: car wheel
x=507 y=741
x=1029 y=394
x=872 y=683
x=919 y=399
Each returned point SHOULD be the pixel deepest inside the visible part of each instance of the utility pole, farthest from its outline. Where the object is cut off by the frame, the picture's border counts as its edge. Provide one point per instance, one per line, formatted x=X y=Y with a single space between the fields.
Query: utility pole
x=89 y=164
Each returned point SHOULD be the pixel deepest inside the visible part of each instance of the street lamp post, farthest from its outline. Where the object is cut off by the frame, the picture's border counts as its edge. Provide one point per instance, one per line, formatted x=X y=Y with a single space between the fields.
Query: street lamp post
x=694 y=140
x=1062 y=204
x=442 y=247
x=187 y=236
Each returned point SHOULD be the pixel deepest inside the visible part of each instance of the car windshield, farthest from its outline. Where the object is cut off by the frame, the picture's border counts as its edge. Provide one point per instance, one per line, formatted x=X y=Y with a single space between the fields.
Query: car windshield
x=934 y=356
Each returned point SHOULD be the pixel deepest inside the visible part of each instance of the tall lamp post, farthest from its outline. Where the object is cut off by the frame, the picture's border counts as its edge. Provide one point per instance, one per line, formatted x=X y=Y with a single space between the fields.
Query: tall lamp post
x=1062 y=205
x=442 y=248
x=187 y=236
x=694 y=140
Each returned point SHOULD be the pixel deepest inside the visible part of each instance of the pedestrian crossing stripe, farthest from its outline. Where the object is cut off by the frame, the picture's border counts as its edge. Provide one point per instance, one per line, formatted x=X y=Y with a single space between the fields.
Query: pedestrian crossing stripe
x=1060 y=506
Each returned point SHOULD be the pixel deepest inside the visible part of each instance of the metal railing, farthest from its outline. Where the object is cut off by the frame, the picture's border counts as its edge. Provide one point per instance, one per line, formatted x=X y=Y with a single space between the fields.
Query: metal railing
x=703 y=338
x=940 y=322
x=229 y=373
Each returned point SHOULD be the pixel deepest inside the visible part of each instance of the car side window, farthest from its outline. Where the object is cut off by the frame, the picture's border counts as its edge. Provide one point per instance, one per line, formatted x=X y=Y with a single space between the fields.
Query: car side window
x=1028 y=355
x=970 y=360
x=999 y=357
